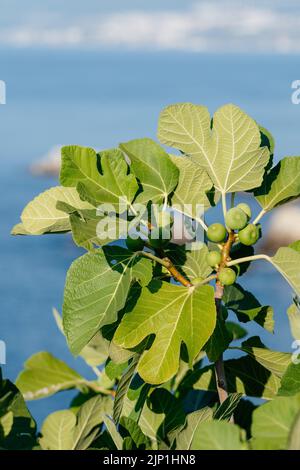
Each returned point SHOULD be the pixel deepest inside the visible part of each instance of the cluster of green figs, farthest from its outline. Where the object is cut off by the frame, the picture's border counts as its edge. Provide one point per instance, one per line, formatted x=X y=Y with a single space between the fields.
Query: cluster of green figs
x=237 y=220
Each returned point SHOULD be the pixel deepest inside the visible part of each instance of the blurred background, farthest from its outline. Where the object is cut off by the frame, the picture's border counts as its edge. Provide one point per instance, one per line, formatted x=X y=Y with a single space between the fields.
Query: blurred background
x=96 y=73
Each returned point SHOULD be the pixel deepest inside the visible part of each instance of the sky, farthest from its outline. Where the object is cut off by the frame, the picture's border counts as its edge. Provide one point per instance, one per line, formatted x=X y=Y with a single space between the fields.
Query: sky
x=234 y=26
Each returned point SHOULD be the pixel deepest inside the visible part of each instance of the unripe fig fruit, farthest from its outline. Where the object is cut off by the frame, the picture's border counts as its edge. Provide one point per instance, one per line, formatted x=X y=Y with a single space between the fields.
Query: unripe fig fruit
x=249 y=235
x=216 y=233
x=246 y=209
x=213 y=258
x=236 y=219
x=134 y=244
x=227 y=276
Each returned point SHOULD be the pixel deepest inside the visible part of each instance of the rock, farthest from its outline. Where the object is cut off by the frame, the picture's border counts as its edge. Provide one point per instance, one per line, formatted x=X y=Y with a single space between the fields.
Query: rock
x=284 y=227
x=49 y=165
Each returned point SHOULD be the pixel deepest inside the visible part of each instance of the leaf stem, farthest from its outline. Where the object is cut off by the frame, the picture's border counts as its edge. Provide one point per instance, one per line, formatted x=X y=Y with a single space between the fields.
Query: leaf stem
x=224 y=204
x=247 y=259
x=260 y=215
x=201 y=222
x=206 y=280
x=151 y=256
x=219 y=291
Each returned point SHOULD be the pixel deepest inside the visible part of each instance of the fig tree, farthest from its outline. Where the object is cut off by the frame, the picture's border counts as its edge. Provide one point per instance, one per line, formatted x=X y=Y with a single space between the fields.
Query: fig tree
x=213 y=258
x=249 y=235
x=216 y=233
x=246 y=209
x=236 y=219
x=227 y=276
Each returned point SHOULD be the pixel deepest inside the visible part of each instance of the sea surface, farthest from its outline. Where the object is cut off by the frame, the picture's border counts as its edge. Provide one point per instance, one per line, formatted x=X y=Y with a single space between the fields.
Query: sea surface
x=100 y=99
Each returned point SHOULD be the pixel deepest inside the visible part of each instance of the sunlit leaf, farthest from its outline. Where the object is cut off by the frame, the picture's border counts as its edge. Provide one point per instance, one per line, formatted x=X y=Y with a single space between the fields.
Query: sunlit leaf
x=99 y=178
x=41 y=214
x=96 y=289
x=153 y=167
x=230 y=152
x=173 y=314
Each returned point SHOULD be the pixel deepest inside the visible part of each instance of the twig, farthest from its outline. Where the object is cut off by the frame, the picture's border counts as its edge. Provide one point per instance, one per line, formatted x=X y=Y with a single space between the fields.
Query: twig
x=219 y=291
x=219 y=364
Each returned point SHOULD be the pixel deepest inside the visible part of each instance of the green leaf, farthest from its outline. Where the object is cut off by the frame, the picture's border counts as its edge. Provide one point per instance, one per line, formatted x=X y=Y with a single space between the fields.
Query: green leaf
x=153 y=167
x=272 y=423
x=185 y=438
x=80 y=167
x=90 y=415
x=226 y=409
x=281 y=184
x=97 y=350
x=218 y=342
x=113 y=432
x=193 y=263
x=274 y=361
x=294 y=436
x=133 y=429
x=290 y=382
x=96 y=231
x=236 y=330
x=23 y=430
x=267 y=140
x=123 y=387
x=287 y=262
x=295 y=245
x=216 y=435
x=293 y=313
x=19 y=229
x=41 y=214
x=45 y=375
x=164 y=416
x=6 y=424
x=244 y=375
x=194 y=189
x=173 y=314
x=230 y=152
x=58 y=431
x=247 y=307
x=96 y=288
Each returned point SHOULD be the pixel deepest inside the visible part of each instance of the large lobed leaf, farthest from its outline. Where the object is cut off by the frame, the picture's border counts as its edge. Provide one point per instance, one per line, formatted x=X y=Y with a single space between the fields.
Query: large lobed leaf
x=245 y=305
x=281 y=184
x=65 y=430
x=96 y=288
x=173 y=314
x=231 y=152
x=287 y=262
x=80 y=167
x=244 y=375
x=194 y=192
x=41 y=215
x=153 y=167
x=272 y=423
x=216 y=435
x=16 y=420
x=45 y=375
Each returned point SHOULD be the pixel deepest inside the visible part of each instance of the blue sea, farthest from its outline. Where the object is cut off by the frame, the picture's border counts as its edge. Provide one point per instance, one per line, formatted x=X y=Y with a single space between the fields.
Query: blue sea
x=99 y=99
